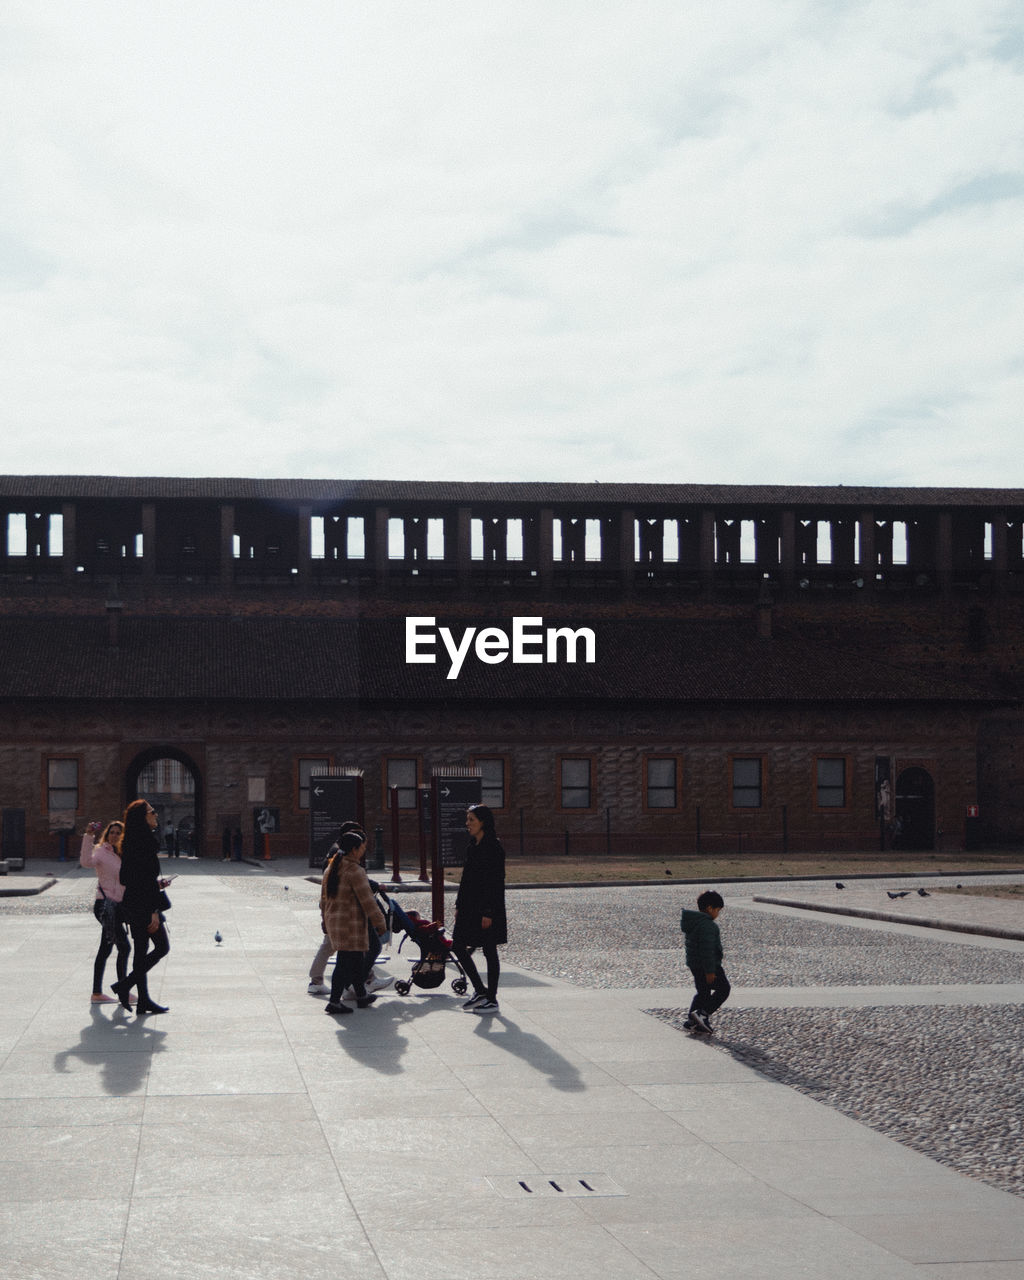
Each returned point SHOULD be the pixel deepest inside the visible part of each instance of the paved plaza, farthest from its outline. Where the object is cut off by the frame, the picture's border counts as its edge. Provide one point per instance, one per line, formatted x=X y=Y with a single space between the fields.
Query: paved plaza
x=579 y=1132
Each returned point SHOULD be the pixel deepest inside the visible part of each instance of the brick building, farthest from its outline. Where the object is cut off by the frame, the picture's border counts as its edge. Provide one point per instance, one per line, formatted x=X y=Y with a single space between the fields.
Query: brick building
x=719 y=667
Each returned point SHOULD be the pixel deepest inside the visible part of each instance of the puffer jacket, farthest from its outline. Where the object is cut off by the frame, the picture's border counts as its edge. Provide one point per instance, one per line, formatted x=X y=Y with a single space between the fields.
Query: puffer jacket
x=347 y=915
x=703 y=941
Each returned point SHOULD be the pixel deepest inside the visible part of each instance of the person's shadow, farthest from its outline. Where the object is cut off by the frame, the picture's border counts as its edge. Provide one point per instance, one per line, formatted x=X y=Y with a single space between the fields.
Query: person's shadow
x=120 y=1043
x=508 y=1035
x=383 y=1049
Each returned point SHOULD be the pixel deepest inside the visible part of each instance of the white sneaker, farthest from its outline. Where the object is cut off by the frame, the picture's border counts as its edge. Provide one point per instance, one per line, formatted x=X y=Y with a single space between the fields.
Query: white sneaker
x=486 y=1006
x=318 y=989
x=377 y=983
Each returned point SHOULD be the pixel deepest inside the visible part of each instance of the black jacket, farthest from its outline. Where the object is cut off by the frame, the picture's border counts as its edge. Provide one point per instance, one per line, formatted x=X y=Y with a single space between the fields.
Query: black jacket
x=140 y=874
x=481 y=893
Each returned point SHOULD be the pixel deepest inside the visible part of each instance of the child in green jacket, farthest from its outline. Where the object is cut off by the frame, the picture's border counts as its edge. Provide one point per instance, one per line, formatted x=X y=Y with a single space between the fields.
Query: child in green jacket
x=704 y=959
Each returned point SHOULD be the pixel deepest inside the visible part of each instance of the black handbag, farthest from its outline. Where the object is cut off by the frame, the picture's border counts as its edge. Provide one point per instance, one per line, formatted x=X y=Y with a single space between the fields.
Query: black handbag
x=107 y=915
x=163 y=902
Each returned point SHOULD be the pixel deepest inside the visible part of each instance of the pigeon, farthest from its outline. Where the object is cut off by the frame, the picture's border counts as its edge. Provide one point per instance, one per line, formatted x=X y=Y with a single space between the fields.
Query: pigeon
x=898 y=895
x=840 y=885
x=217 y=938
x=924 y=893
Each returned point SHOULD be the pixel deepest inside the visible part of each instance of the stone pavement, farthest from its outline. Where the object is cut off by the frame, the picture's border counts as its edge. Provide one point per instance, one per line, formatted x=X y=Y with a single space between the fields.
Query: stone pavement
x=244 y=1134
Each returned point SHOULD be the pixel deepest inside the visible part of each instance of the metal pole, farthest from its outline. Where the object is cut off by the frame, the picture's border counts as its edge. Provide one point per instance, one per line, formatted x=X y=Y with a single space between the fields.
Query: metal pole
x=437 y=871
x=396 y=877
x=423 y=798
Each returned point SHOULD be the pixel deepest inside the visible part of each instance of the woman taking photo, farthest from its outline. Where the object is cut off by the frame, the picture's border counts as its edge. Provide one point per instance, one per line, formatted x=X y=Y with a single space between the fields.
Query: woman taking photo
x=348 y=909
x=480 y=908
x=143 y=902
x=100 y=853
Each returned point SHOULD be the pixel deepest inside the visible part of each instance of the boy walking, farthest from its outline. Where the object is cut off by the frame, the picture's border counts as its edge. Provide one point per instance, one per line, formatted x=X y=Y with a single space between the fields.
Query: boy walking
x=704 y=960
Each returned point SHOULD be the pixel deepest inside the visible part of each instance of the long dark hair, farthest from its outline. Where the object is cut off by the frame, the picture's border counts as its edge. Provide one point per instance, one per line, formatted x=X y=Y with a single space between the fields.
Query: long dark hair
x=485 y=817
x=137 y=836
x=347 y=841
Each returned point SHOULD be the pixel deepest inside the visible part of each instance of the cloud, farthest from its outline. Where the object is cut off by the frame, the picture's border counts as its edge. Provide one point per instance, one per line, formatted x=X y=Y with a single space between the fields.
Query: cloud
x=699 y=242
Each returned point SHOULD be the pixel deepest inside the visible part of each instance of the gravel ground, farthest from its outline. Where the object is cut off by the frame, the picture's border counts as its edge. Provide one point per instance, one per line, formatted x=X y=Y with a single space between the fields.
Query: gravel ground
x=631 y=938
x=942 y=1080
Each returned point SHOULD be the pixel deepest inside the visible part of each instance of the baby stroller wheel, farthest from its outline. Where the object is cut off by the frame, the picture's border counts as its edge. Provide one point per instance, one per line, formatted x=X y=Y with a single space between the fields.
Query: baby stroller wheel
x=459 y=986
x=402 y=988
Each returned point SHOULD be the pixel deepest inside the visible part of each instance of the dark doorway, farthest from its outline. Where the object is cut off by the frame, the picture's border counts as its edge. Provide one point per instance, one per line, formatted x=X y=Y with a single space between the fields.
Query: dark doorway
x=914 y=825
x=170 y=781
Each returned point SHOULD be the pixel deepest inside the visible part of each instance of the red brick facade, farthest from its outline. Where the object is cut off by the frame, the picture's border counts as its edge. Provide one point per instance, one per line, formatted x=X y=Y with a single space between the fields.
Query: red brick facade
x=735 y=703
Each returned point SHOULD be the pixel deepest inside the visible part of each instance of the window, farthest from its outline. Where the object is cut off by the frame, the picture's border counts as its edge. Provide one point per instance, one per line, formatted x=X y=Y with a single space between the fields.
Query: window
x=62 y=788
x=662 y=790
x=746 y=783
x=306 y=767
x=575 y=782
x=403 y=774
x=832 y=783
x=492 y=780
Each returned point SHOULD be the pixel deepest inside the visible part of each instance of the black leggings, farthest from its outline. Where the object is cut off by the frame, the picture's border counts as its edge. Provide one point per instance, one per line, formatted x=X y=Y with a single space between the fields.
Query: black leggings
x=119 y=940
x=141 y=962
x=490 y=950
x=349 y=971
x=710 y=995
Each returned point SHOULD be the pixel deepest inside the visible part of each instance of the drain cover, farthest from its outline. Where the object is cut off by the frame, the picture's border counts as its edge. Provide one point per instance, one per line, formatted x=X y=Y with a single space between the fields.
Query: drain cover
x=570 y=1185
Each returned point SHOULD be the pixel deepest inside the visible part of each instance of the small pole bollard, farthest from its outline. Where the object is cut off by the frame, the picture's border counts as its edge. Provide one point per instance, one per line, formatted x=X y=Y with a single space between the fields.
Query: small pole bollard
x=396 y=877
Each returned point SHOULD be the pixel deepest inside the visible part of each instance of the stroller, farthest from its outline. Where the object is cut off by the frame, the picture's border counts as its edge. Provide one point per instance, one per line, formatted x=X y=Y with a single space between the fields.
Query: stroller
x=435 y=951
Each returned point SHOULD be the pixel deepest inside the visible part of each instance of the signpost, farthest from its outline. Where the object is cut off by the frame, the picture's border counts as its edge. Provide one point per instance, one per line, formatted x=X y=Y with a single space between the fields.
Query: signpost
x=332 y=801
x=452 y=796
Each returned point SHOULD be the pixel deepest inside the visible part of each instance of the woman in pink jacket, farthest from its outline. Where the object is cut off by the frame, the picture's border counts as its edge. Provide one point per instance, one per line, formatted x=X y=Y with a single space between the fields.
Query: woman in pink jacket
x=100 y=853
x=349 y=910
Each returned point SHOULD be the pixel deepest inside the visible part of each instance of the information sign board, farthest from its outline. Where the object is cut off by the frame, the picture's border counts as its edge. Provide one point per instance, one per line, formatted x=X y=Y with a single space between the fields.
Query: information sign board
x=453 y=796
x=332 y=801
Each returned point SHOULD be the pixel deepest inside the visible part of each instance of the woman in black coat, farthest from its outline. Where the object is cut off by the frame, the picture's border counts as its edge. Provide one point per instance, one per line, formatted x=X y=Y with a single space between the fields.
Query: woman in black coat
x=142 y=902
x=480 y=919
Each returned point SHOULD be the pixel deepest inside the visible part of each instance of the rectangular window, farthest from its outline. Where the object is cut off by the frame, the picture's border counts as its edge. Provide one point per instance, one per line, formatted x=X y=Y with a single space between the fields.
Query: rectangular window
x=62 y=788
x=746 y=783
x=492 y=780
x=575 y=782
x=403 y=774
x=306 y=766
x=17 y=534
x=832 y=783
x=662 y=786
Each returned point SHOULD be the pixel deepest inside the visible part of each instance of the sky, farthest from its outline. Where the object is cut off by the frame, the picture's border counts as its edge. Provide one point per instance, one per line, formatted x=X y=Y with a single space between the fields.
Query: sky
x=715 y=242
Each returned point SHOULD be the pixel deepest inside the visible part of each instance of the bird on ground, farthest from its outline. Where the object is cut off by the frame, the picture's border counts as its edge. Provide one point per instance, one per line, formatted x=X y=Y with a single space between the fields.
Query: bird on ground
x=924 y=893
x=217 y=938
x=898 y=895
x=840 y=885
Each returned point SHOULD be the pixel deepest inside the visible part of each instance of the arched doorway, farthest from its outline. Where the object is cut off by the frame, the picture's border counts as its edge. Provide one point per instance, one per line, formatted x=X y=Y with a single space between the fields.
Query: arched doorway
x=171 y=782
x=914 y=825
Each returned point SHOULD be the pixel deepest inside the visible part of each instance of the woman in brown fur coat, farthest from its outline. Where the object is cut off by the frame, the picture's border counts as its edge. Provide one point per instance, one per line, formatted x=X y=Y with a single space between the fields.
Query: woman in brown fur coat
x=348 y=908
